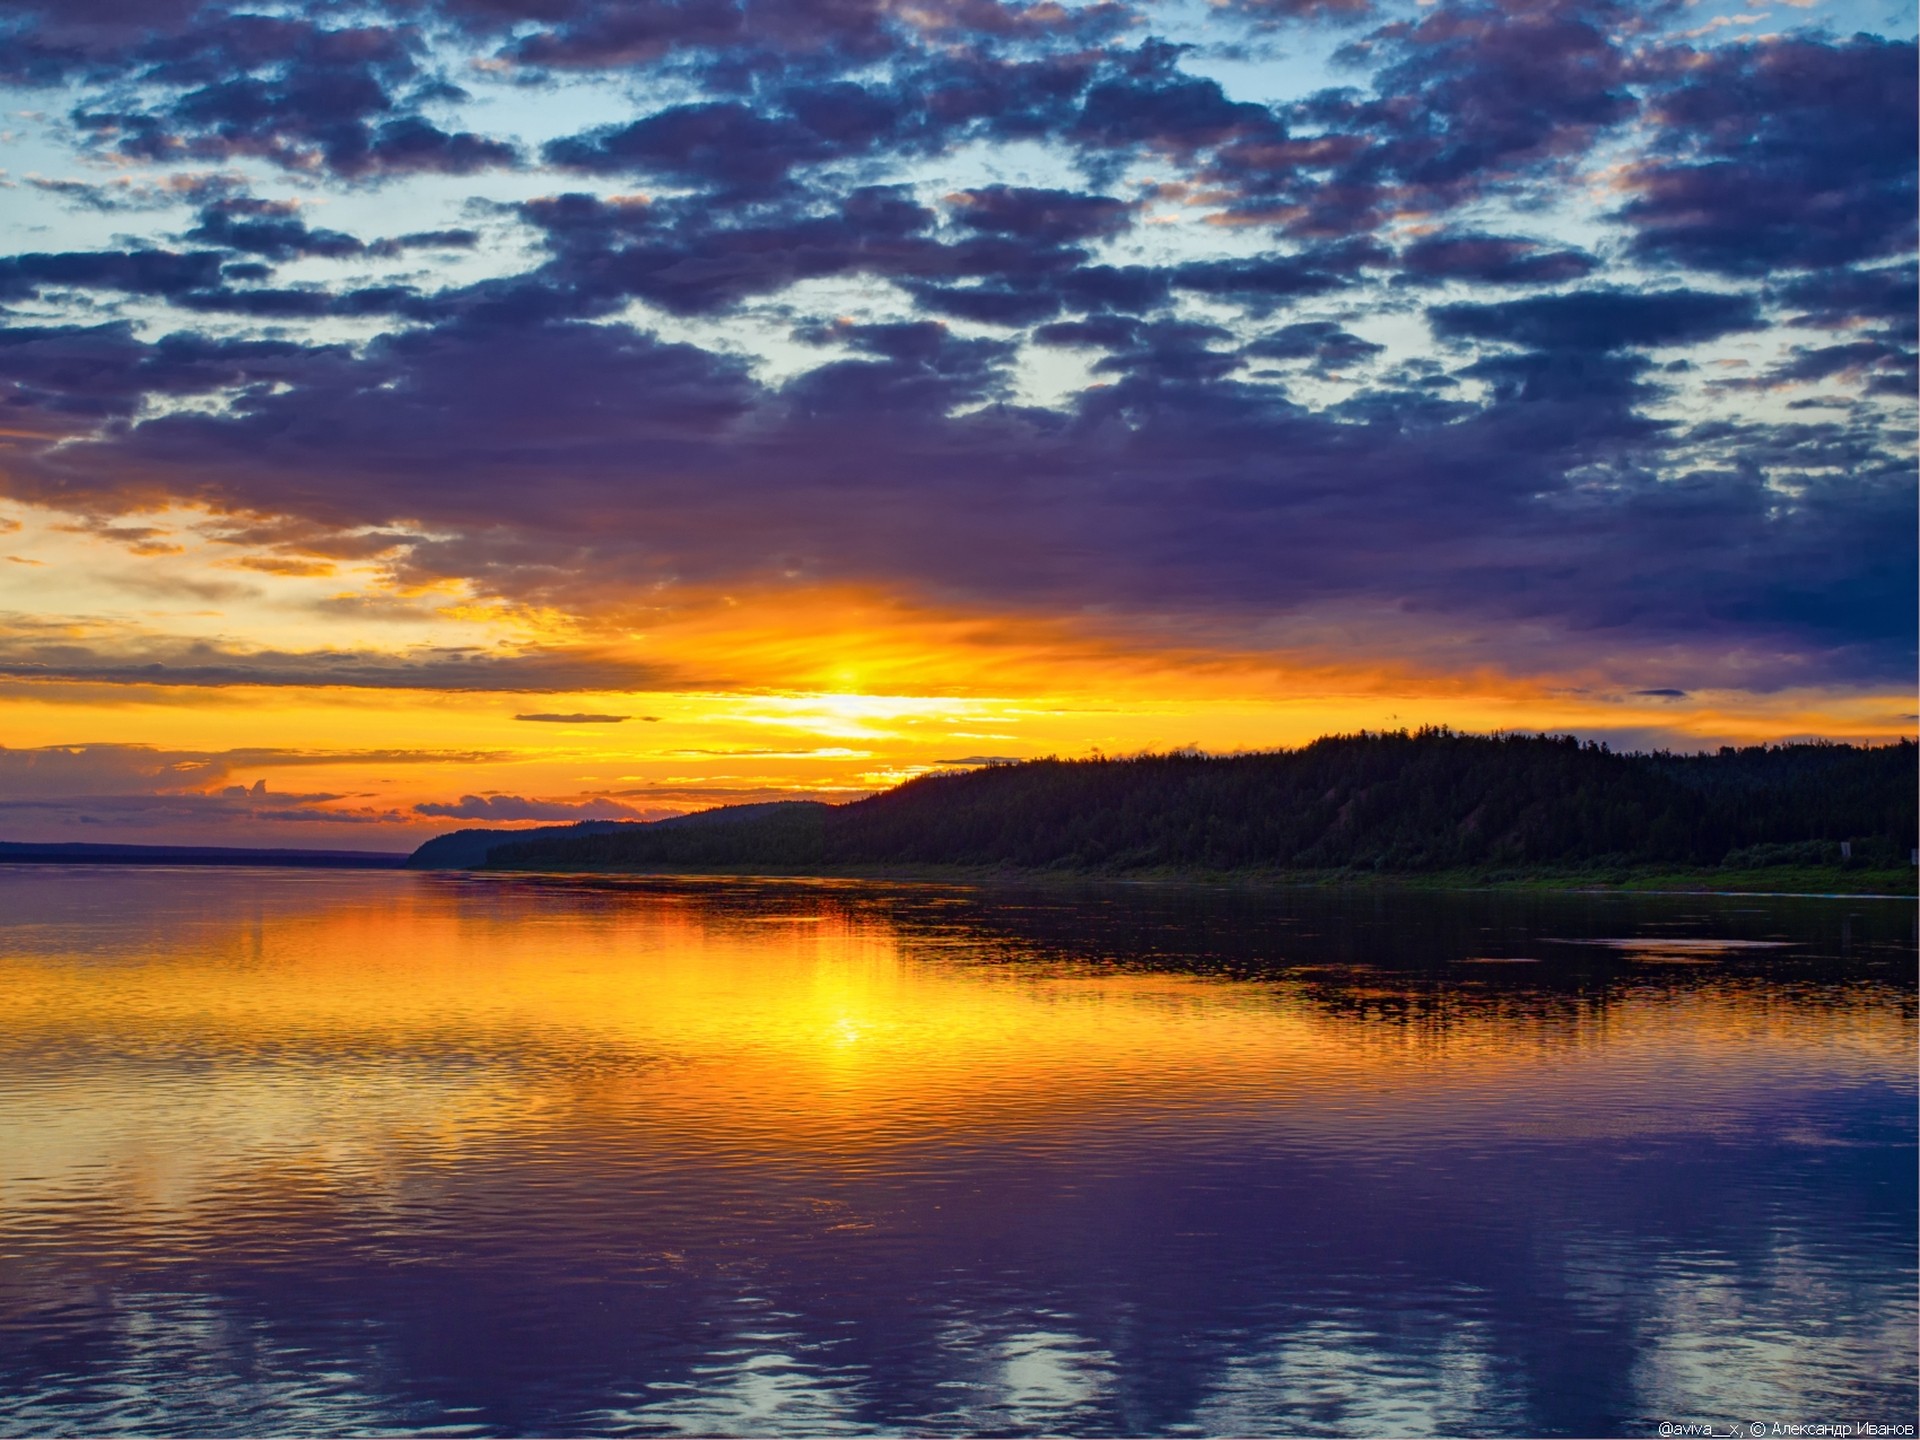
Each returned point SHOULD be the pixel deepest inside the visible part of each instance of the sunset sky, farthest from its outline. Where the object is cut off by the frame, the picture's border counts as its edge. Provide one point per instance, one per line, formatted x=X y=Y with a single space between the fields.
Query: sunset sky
x=439 y=412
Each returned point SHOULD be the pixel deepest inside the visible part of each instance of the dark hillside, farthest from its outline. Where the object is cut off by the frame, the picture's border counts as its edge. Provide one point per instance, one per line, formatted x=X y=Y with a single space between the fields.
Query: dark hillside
x=1389 y=802
x=1797 y=794
x=785 y=835
x=467 y=849
x=1382 y=803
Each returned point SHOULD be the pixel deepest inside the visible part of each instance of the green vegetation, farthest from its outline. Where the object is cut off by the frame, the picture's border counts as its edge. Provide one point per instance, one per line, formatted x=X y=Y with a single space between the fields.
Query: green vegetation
x=1435 y=806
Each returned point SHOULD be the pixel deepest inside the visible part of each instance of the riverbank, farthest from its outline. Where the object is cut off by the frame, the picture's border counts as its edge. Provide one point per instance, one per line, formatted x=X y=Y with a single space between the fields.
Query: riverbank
x=1874 y=883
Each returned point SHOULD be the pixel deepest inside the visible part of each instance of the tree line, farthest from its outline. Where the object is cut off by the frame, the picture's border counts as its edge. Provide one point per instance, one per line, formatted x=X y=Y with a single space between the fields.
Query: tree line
x=1390 y=802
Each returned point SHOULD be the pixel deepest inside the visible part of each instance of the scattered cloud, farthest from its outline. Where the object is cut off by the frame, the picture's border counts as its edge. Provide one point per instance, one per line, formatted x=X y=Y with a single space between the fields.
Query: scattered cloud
x=1561 y=336
x=509 y=808
x=46 y=653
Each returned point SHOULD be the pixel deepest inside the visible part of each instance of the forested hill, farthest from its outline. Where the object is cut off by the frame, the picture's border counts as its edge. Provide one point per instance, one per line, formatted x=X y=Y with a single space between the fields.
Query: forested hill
x=1392 y=802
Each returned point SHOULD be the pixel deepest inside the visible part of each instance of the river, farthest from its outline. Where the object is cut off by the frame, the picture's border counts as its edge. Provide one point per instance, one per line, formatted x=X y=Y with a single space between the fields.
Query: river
x=331 y=1153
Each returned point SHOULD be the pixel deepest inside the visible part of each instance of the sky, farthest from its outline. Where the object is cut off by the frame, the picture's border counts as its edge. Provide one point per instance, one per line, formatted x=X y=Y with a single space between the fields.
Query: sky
x=443 y=412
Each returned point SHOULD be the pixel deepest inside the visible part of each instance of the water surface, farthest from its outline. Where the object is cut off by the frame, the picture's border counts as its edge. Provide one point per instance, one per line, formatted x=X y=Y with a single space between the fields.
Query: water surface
x=336 y=1153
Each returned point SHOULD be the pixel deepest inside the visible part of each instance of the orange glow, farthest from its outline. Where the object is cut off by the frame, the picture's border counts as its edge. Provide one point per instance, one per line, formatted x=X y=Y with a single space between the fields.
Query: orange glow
x=789 y=690
x=800 y=1023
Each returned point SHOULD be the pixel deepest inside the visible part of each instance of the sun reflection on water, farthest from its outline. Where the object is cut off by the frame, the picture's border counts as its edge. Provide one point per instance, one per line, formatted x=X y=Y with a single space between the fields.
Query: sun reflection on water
x=876 y=1144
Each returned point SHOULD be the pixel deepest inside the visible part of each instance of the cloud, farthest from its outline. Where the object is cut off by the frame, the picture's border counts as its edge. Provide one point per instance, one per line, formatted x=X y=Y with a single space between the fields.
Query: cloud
x=1466 y=101
x=1263 y=283
x=582 y=464
x=690 y=259
x=1098 y=331
x=49 y=652
x=182 y=796
x=742 y=151
x=1330 y=360
x=61 y=771
x=138 y=272
x=272 y=228
x=598 y=35
x=170 y=796
x=583 y=718
x=184 y=818
x=769 y=35
x=49 y=41
x=290 y=91
x=1275 y=11
x=1171 y=353
x=506 y=808
x=1493 y=260
x=988 y=304
x=1326 y=344
x=1789 y=152
x=130 y=193
x=66 y=772
x=1842 y=299
x=1151 y=105
x=1600 y=320
x=1049 y=217
x=723 y=143
x=1875 y=365
x=60 y=380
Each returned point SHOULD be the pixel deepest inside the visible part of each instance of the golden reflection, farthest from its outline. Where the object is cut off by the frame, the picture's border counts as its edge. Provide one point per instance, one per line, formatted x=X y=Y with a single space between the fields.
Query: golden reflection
x=349 y=1019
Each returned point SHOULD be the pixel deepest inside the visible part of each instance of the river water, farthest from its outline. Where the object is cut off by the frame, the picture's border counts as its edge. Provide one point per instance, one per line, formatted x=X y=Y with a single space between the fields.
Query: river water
x=333 y=1153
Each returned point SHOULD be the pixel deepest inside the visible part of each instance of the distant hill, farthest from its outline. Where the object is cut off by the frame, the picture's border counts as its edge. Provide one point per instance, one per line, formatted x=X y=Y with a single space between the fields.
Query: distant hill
x=1394 y=803
x=469 y=849
x=83 y=853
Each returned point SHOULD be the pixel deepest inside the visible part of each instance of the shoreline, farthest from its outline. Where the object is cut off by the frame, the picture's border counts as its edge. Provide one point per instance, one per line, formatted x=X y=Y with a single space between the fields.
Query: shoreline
x=197 y=857
x=1792 y=882
x=1782 y=882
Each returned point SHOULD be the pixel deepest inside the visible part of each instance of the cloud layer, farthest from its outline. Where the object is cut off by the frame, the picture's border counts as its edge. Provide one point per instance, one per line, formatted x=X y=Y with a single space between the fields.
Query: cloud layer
x=1553 y=330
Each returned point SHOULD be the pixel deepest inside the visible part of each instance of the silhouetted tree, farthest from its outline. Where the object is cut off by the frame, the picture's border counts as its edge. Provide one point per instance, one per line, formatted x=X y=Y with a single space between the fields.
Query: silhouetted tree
x=1381 y=802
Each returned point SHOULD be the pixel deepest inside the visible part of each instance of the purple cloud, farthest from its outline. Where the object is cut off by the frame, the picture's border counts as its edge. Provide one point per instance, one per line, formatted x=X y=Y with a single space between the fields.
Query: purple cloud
x=506 y=808
x=1599 y=320
x=1276 y=415
x=1791 y=152
x=293 y=92
x=1493 y=260
x=563 y=461
x=1467 y=100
